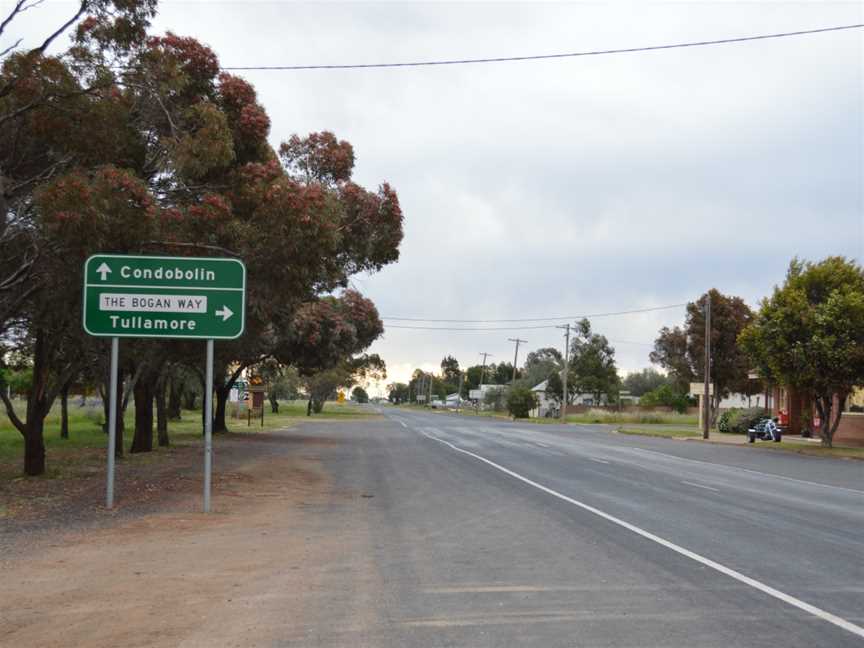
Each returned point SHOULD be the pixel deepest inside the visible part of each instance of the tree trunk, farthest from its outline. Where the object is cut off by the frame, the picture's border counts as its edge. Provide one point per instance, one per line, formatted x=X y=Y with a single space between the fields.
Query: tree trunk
x=64 y=411
x=142 y=440
x=174 y=394
x=274 y=404
x=309 y=407
x=34 y=445
x=37 y=409
x=221 y=398
x=824 y=406
x=189 y=398
x=162 y=414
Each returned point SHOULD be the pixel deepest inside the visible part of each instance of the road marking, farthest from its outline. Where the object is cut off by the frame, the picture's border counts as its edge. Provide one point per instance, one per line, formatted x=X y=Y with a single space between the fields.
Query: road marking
x=542 y=445
x=402 y=423
x=748 y=470
x=716 y=490
x=727 y=571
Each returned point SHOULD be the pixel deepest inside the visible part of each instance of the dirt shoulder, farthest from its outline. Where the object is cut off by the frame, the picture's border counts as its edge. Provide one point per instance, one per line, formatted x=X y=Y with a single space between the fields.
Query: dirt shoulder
x=158 y=572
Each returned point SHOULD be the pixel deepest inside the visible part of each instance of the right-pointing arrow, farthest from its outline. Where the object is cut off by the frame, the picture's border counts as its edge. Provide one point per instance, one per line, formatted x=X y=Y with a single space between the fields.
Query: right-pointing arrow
x=225 y=312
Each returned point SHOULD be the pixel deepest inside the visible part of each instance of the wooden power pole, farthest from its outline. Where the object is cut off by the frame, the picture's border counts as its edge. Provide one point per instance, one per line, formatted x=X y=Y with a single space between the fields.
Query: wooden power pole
x=563 y=412
x=515 y=355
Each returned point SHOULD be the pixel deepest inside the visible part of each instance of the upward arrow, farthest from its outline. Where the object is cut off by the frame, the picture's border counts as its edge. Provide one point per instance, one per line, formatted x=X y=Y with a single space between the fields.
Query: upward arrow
x=103 y=270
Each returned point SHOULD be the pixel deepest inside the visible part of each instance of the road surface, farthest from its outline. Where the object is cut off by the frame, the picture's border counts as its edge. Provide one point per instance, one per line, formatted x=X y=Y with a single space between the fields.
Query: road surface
x=421 y=530
x=489 y=533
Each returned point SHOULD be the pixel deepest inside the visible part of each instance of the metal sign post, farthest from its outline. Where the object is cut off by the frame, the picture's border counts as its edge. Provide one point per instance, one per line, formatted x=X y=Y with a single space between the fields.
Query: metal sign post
x=112 y=421
x=208 y=427
x=163 y=297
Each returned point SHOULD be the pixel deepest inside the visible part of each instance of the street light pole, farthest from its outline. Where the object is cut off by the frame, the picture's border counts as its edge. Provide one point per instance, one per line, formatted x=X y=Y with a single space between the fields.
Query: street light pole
x=706 y=415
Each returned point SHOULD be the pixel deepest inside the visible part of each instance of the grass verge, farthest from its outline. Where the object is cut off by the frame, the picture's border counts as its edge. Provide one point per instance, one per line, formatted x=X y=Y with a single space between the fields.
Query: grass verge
x=665 y=432
x=84 y=451
x=645 y=418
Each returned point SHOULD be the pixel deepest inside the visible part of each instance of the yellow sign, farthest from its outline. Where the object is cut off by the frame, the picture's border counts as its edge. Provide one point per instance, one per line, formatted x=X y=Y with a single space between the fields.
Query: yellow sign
x=340 y=397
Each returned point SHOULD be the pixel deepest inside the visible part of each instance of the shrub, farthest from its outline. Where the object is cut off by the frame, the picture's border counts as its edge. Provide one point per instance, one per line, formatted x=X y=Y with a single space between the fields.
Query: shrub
x=738 y=421
x=667 y=396
x=857 y=408
x=520 y=402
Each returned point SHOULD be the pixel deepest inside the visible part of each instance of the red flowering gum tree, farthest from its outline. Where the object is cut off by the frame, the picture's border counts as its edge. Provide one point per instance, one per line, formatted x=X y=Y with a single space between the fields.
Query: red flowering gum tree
x=136 y=144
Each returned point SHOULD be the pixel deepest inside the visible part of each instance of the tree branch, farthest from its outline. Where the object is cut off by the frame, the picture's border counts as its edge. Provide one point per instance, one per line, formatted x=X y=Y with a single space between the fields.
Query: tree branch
x=41 y=49
x=15 y=11
x=10 y=410
x=10 y=48
x=194 y=246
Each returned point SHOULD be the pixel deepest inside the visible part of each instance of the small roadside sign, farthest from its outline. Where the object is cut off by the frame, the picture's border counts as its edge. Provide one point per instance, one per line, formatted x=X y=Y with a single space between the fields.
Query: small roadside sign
x=173 y=297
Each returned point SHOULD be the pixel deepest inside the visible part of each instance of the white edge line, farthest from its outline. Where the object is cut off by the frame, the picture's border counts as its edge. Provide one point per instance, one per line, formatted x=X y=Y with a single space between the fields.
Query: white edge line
x=402 y=423
x=752 y=582
x=748 y=470
x=689 y=483
x=603 y=461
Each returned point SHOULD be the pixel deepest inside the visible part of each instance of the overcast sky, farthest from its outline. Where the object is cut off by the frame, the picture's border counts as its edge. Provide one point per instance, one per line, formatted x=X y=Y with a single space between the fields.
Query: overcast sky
x=572 y=186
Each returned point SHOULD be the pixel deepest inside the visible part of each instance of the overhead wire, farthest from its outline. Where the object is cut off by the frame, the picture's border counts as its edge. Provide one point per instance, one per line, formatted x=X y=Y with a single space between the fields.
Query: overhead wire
x=531 y=319
x=538 y=57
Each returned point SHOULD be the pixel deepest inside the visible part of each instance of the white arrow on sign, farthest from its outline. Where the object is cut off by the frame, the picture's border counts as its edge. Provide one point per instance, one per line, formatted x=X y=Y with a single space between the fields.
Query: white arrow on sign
x=225 y=312
x=103 y=270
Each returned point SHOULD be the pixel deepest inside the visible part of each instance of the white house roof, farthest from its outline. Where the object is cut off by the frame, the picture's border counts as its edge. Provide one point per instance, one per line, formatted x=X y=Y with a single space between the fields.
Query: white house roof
x=540 y=387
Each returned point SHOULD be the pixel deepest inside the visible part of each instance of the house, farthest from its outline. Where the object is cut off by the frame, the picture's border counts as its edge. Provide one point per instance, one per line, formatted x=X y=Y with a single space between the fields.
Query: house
x=453 y=400
x=548 y=407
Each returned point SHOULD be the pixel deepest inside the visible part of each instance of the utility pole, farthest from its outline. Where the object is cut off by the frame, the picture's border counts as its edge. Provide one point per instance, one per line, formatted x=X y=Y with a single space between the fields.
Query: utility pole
x=706 y=416
x=429 y=396
x=459 y=397
x=483 y=370
x=563 y=412
x=515 y=355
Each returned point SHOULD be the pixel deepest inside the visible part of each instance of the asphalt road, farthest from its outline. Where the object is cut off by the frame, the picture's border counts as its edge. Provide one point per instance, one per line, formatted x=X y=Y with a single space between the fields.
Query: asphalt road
x=483 y=533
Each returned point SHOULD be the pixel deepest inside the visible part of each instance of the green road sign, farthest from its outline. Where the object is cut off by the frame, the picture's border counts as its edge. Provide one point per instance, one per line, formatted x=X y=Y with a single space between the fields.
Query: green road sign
x=174 y=297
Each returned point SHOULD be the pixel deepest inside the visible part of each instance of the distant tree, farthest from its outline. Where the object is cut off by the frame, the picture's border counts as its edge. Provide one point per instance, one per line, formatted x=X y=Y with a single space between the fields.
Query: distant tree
x=502 y=373
x=540 y=363
x=450 y=371
x=397 y=393
x=360 y=395
x=520 y=402
x=810 y=335
x=555 y=389
x=323 y=385
x=646 y=380
x=472 y=379
x=666 y=396
x=729 y=365
x=592 y=363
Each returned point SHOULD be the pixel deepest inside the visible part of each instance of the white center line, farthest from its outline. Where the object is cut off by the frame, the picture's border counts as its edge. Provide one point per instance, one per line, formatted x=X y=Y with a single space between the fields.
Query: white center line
x=716 y=490
x=603 y=461
x=723 y=569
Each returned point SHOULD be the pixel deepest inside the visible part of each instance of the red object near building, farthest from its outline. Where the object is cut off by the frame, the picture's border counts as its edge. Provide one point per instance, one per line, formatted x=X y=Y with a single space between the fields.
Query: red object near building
x=784 y=417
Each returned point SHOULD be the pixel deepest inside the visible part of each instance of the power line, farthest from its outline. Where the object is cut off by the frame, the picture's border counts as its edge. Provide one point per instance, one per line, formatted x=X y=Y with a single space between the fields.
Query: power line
x=464 y=328
x=536 y=319
x=482 y=329
x=538 y=57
